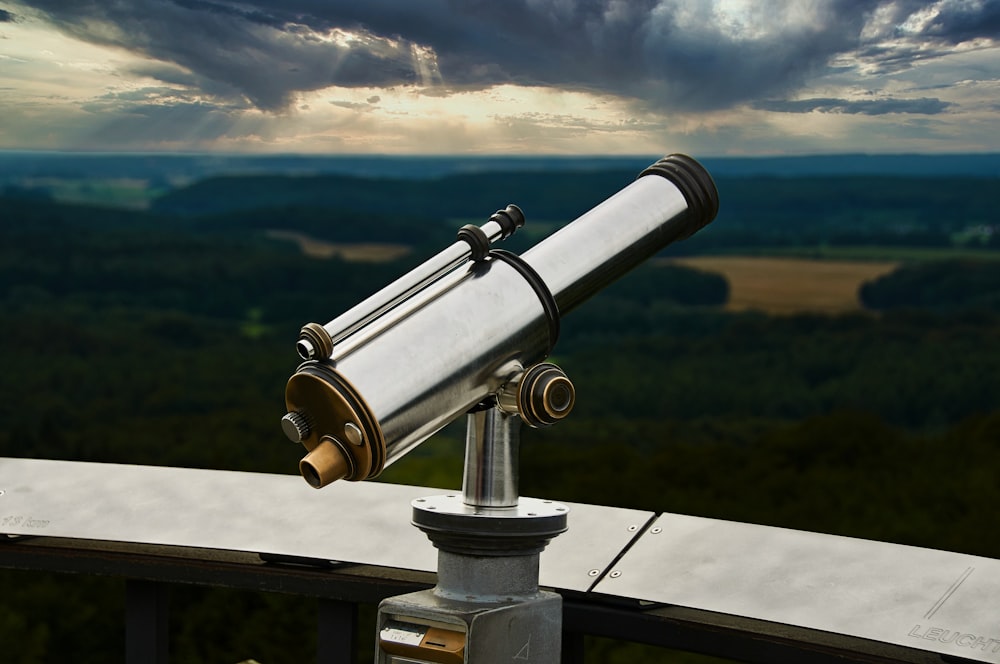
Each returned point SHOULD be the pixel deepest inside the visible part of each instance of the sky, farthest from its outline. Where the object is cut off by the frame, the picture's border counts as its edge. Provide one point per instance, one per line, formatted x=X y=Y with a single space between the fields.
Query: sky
x=706 y=77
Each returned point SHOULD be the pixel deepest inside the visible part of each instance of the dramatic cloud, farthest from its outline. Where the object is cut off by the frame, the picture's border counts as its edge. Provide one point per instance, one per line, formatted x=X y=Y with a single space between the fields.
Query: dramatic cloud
x=923 y=106
x=676 y=54
x=558 y=75
x=265 y=57
x=956 y=22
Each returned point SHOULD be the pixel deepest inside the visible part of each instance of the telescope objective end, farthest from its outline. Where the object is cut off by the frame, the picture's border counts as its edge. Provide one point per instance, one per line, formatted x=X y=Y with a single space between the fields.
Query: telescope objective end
x=697 y=186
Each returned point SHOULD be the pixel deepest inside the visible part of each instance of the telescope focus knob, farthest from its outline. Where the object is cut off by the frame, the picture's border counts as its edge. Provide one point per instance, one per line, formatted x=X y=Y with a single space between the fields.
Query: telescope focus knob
x=542 y=395
x=295 y=426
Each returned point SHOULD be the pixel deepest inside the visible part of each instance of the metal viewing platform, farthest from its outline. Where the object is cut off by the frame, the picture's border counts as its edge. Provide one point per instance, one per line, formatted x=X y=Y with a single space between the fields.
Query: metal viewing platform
x=746 y=592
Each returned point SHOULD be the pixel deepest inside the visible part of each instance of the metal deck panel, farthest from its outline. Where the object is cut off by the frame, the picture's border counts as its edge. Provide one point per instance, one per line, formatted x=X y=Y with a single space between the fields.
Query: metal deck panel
x=932 y=600
x=363 y=522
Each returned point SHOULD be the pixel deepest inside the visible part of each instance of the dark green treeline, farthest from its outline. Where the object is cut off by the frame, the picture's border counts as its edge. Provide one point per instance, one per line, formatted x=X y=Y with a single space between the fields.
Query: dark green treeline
x=156 y=339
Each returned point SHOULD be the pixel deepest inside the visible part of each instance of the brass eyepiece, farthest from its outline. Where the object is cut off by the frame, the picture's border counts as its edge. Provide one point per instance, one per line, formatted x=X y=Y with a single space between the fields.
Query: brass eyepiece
x=325 y=464
x=334 y=425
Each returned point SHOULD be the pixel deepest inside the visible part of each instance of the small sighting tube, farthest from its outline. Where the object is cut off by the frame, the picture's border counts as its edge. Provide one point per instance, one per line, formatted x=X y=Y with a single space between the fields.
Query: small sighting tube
x=500 y=226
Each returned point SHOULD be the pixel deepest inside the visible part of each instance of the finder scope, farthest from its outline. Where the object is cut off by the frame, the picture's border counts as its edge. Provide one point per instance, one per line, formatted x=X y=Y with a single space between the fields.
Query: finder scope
x=472 y=326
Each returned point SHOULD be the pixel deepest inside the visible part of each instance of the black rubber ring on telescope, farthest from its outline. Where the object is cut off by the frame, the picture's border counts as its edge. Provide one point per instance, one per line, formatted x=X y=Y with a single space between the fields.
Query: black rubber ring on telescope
x=540 y=288
x=475 y=237
x=510 y=219
x=694 y=183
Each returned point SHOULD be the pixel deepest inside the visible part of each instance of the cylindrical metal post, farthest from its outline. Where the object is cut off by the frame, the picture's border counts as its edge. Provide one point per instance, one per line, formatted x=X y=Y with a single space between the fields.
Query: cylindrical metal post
x=486 y=578
x=491 y=459
x=146 y=622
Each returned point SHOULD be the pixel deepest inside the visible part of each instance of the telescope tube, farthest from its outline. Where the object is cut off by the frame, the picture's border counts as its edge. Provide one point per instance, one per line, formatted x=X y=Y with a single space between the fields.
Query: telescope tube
x=457 y=342
x=611 y=239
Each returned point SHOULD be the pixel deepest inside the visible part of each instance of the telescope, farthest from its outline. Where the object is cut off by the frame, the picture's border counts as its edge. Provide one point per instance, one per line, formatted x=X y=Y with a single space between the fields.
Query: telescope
x=467 y=333
x=467 y=325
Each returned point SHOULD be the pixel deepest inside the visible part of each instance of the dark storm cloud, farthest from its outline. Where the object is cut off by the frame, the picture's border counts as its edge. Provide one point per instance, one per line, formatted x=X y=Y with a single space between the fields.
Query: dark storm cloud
x=264 y=55
x=671 y=54
x=923 y=106
x=912 y=35
x=6 y=16
x=957 y=22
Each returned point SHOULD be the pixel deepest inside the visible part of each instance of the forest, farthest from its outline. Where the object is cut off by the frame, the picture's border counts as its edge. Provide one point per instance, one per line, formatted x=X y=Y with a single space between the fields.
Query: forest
x=123 y=330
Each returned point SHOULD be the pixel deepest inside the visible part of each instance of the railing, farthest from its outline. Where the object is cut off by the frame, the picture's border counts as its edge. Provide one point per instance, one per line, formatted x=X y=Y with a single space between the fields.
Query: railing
x=150 y=570
x=68 y=543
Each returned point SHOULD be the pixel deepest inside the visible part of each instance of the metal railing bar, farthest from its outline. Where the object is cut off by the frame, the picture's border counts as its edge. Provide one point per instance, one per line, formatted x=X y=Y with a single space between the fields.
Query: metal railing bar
x=147 y=613
x=337 y=632
x=731 y=637
x=361 y=584
x=678 y=628
x=572 y=648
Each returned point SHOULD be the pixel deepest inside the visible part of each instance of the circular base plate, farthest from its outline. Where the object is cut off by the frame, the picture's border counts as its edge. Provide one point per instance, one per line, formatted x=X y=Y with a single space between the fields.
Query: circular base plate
x=489 y=531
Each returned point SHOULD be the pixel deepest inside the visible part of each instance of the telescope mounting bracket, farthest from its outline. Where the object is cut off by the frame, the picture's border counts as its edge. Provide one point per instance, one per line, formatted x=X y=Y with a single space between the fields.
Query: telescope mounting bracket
x=487 y=607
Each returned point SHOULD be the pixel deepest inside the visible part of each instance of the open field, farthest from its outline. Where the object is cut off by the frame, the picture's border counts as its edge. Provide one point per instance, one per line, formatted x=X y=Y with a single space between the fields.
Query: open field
x=791 y=285
x=367 y=252
x=774 y=285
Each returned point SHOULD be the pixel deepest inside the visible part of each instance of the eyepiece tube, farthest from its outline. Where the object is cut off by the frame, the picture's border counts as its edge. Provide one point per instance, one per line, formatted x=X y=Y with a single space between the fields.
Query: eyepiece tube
x=325 y=464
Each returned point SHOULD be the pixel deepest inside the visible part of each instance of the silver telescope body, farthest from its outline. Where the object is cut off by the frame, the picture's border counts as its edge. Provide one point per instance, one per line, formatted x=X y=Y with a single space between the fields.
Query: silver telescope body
x=464 y=327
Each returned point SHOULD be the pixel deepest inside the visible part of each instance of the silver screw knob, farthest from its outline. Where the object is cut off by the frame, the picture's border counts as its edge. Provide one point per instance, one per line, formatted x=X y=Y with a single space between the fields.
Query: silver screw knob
x=295 y=426
x=353 y=434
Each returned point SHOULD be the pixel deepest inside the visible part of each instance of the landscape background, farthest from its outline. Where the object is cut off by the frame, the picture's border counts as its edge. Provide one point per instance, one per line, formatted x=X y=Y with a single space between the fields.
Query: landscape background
x=822 y=357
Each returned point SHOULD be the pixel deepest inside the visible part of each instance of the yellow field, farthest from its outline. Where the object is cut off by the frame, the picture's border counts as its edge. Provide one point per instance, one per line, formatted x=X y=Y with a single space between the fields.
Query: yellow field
x=354 y=253
x=791 y=285
x=772 y=285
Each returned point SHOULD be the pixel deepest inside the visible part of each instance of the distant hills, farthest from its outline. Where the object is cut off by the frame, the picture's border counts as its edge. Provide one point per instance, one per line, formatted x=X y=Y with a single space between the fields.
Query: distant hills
x=916 y=201
x=756 y=210
x=174 y=169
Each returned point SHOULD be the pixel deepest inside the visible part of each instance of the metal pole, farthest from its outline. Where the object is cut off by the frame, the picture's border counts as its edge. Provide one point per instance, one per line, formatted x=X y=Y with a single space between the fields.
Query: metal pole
x=336 y=637
x=147 y=614
x=491 y=459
